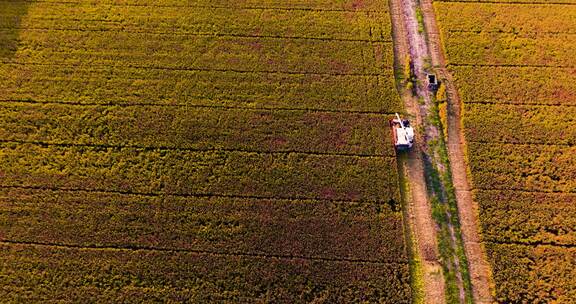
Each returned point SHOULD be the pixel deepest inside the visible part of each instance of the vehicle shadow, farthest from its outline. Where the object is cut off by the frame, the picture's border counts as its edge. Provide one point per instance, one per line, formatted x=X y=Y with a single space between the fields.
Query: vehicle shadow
x=11 y=15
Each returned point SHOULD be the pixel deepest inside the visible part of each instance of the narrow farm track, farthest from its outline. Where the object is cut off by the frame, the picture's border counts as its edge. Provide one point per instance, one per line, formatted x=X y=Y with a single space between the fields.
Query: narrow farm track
x=480 y=273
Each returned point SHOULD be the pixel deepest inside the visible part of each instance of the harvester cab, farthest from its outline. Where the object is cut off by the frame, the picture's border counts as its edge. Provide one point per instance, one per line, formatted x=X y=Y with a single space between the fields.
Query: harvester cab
x=402 y=133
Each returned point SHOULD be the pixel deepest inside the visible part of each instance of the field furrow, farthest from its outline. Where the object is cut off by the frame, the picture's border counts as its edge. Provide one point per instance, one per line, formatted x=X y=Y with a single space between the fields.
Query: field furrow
x=517 y=85
x=527 y=272
x=196 y=128
x=316 y=5
x=117 y=85
x=309 y=228
x=522 y=167
x=289 y=175
x=203 y=52
x=372 y=26
x=527 y=217
x=511 y=18
x=519 y=124
x=510 y=49
x=115 y=275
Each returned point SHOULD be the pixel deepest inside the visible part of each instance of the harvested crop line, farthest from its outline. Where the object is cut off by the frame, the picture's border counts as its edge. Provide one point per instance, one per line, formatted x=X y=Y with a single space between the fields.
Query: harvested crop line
x=162 y=148
x=234 y=254
x=210 y=195
x=194 y=69
x=193 y=34
x=183 y=105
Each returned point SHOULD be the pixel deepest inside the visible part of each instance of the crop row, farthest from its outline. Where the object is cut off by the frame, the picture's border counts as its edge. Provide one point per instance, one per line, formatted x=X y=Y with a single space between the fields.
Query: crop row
x=523 y=167
x=527 y=217
x=282 y=175
x=203 y=52
x=502 y=123
x=308 y=228
x=117 y=85
x=518 y=85
x=526 y=274
x=134 y=276
x=197 y=128
x=348 y=5
x=373 y=26
x=510 y=49
x=521 y=19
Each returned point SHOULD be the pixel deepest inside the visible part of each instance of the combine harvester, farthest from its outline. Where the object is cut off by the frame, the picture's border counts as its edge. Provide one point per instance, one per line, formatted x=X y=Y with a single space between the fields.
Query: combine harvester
x=402 y=133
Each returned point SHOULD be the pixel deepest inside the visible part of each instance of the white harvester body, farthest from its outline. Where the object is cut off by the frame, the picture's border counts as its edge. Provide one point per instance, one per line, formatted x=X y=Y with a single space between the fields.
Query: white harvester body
x=402 y=133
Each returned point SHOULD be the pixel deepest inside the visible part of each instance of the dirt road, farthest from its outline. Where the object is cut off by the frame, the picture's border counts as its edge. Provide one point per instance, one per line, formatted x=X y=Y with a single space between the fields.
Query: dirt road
x=419 y=211
x=480 y=272
x=465 y=272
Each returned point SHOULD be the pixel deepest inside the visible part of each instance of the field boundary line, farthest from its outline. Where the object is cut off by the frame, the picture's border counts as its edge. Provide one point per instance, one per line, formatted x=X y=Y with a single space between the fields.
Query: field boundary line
x=530 y=244
x=195 y=69
x=521 y=33
x=520 y=143
x=554 y=192
x=219 y=107
x=202 y=252
x=510 y=103
x=508 y=2
x=184 y=149
x=521 y=190
x=197 y=34
x=192 y=195
x=504 y=65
